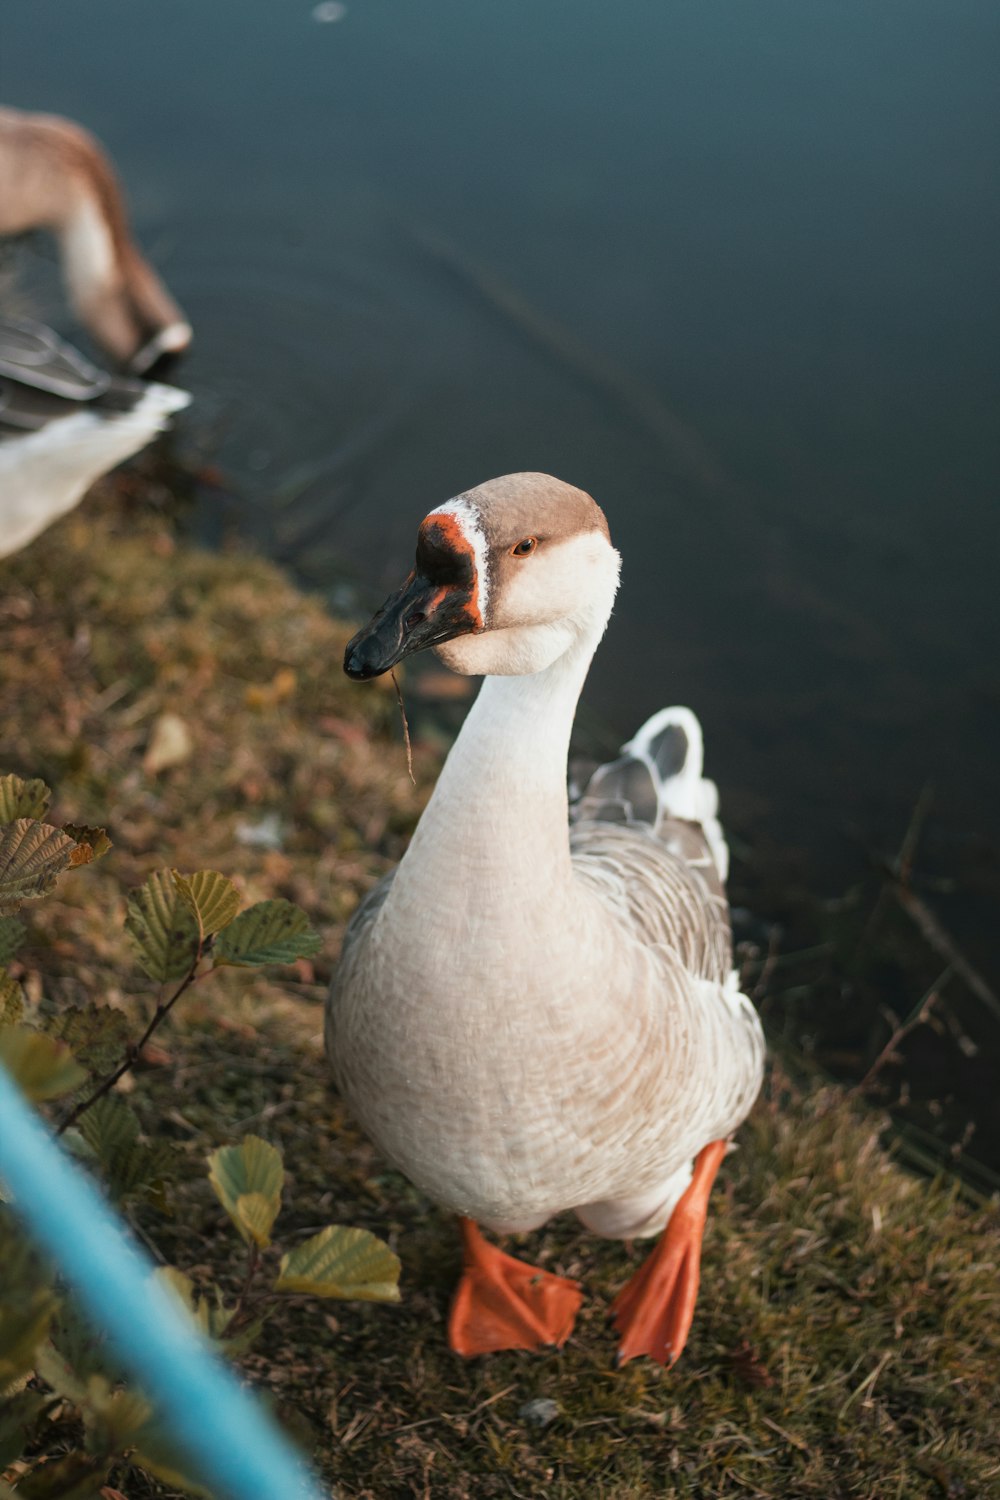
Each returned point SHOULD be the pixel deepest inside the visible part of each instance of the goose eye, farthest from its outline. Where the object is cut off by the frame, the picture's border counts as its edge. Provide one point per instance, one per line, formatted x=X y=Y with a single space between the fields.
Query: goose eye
x=525 y=545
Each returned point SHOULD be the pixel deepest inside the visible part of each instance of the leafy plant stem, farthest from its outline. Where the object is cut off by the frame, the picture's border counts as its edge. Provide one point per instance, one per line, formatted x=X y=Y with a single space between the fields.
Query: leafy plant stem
x=253 y=1261
x=163 y=1009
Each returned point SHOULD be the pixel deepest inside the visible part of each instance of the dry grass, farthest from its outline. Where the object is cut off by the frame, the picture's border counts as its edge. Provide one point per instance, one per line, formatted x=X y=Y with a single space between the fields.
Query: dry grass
x=847 y=1340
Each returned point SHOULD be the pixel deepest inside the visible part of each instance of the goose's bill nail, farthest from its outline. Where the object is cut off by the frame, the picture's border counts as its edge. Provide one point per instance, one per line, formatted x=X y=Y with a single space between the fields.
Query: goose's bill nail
x=419 y=614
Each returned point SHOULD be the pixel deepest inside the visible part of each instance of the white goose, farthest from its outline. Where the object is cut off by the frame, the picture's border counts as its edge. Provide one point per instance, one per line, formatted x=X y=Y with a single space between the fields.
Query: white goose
x=530 y=1016
x=54 y=175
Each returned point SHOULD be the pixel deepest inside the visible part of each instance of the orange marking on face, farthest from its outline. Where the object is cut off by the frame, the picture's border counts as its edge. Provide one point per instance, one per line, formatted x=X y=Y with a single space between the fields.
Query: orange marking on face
x=448 y=529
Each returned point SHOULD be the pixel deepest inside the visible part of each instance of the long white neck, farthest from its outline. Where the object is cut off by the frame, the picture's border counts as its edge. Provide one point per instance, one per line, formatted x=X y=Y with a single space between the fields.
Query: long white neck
x=492 y=848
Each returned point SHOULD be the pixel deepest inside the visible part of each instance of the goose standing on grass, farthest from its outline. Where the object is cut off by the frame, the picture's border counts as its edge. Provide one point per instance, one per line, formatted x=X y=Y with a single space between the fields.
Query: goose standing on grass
x=54 y=175
x=533 y=1015
x=63 y=423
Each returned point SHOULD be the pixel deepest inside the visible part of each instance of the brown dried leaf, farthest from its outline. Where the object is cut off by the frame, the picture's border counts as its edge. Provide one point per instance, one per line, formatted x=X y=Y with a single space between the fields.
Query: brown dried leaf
x=170 y=744
x=32 y=856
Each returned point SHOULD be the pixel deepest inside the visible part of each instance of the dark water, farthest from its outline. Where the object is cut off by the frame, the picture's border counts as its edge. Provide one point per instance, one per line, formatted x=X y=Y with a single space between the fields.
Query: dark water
x=730 y=267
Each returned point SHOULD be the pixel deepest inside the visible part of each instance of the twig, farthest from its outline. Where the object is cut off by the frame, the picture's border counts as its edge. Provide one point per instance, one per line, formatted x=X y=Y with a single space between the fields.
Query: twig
x=936 y=936
x=253 y=1261
x=898 y=872
x=907 y=849
x=917 y=1017
x=133 y=1049
x=406 y=728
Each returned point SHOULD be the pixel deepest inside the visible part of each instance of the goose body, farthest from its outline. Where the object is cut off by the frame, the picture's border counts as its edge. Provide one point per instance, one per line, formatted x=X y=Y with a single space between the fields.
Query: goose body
x=63 y=423
x=55 y=176
x=534 y=1013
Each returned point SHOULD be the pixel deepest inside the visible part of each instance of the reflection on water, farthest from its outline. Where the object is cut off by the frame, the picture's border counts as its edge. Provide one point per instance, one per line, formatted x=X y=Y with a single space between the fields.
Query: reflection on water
x=731 y=268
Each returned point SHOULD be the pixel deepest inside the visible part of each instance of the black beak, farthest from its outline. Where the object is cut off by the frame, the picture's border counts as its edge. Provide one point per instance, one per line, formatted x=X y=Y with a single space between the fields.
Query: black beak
x=419 y=614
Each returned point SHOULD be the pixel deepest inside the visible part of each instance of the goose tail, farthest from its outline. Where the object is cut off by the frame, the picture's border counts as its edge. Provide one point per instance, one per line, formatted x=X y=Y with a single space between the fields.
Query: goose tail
x=657 y=779
x=672 y=746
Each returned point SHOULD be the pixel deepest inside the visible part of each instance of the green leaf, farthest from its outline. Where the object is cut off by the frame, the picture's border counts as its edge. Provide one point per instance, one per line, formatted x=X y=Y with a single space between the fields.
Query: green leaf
x=113 y=1416
x=22 y=1330
x=11 y=1000
x=43 y=1067
x=207 y=1319
x=344 y=1263
x=91 y=843
x=212 y=899
x=251 y=1170
x=97 y=1034
x=254 y=1217
x=32 y=856
x=162 y=929
x=272 y=932
x=211 y=1314
x=11 y=937
x=27 y=1302
x=75 y=1352
x=22 y=799
x=110 y=1128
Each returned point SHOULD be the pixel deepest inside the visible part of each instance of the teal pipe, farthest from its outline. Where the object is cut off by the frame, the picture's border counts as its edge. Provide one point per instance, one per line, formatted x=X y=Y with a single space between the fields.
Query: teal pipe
x=234 y=1446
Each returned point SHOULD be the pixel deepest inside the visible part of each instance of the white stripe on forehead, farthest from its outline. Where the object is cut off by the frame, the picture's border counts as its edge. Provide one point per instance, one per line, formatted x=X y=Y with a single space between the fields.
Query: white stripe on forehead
x=466 y=517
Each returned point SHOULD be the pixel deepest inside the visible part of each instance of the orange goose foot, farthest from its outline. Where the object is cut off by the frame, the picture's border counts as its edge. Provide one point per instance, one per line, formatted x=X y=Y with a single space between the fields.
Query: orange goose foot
x=503 y=1303
x=654 y=1310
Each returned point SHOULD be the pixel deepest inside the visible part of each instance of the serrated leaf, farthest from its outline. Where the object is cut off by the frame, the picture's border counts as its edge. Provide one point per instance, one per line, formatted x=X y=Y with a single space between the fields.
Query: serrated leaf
x=111 y=1129
x=11 y=1000
x=22 y=799
x=163 y=931
x=272 y=932
x=75 y=1352
x=27 y=1303
x=211 y=1313
x=212 y=899
x=97 y=1034
x=253 y=1169
x=43 y=1067
x=341 y=1262
x=22 y=1331
x=110 y=1125
x=32 y=857
x=11 y=937
x=112 y=1416
x=91 y=843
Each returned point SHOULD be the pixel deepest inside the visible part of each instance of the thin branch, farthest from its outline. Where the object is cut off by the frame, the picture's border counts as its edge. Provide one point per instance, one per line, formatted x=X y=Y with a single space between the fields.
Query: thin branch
x=898 y=873
x=253 y=1261
x=943 y=945
x=917 y=1017
x=134 y=1049
x=907 y=849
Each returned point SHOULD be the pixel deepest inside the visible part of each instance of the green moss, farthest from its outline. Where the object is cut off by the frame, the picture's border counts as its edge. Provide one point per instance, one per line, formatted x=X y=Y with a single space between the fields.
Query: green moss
x=847 y=1339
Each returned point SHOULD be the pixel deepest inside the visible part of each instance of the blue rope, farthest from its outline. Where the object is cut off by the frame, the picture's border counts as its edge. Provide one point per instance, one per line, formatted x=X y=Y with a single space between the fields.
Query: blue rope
x=235 y=1446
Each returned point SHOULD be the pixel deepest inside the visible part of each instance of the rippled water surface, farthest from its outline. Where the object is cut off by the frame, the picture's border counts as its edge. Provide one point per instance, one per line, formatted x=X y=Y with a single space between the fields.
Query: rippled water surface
x=730 y=267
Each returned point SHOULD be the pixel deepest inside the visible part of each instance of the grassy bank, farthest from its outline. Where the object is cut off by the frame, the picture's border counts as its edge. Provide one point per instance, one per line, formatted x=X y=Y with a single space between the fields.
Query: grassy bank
x=847 y=1340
